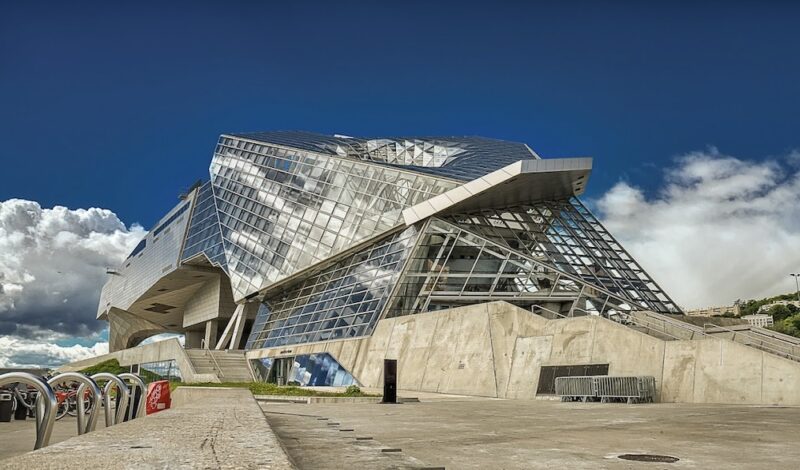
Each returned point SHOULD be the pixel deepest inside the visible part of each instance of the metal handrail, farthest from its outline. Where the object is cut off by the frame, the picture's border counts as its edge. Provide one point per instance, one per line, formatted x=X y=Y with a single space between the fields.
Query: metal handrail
x=214 y=359
x=46 y=404
x=84 y=425
x=122 y=396
x=630 y=318
x=141 y=409
x=752 y=336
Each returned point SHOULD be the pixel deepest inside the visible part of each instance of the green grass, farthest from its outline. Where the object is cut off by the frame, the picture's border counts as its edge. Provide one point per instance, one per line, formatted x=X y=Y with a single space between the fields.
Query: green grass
x=111 y=366
x=261 y=388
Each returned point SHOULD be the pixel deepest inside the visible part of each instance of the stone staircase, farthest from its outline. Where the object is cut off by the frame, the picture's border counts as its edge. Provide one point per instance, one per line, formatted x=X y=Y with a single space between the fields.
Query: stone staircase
x=228 y=366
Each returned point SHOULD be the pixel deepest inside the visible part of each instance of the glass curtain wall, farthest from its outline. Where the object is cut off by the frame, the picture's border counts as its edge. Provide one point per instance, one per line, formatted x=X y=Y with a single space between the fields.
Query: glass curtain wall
x=204 y=235
x=453 y=266
x=566 y=235
x=282 y=210
x=343 y=301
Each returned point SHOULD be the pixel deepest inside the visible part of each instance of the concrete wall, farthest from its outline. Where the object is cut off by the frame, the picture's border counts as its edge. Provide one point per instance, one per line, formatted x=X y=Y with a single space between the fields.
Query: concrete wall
x=211 y=301
x=497 y=350
x=165 y=350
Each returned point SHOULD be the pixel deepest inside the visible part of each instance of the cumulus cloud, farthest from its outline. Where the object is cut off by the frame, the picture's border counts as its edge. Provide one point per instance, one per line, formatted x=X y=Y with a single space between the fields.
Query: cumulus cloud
x=20 y=352
x=721 y=228
x=52 y=267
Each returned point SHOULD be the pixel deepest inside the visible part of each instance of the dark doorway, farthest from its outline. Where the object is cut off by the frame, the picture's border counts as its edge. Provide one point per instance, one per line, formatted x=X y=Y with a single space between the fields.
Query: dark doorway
x=548 y=375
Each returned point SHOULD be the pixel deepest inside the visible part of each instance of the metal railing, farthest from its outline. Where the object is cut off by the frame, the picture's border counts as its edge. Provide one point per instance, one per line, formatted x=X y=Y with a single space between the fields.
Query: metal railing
x=641 y=319
x=756 y=340
x=220 y=374
x=680 y=330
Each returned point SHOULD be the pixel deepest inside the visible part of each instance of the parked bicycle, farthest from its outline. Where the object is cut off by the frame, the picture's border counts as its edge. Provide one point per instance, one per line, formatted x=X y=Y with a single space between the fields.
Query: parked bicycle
x=67 y=398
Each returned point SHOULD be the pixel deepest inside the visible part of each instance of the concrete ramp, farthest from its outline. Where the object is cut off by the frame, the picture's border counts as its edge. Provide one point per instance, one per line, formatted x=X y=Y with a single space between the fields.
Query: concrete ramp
x=207 y=428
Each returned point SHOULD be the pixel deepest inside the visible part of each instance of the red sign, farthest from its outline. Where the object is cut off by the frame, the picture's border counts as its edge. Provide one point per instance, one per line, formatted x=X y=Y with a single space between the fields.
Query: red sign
x=158 y=396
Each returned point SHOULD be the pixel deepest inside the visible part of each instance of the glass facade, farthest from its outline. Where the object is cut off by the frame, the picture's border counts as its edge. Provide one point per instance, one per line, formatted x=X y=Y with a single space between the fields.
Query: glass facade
x=314 y=370
x=568 y=237
x=454 y=157
x=452 y=265
x=204 y=235
x=343 y=301
x=163 y=370
x=282 y=210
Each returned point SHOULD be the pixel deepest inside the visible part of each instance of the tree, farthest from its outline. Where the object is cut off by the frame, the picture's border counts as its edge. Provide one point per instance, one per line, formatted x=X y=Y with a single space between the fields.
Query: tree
x=779 y=312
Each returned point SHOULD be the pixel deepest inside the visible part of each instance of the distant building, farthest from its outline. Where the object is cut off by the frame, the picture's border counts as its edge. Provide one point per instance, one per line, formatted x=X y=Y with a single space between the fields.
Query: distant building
x=785 y=303
x=714 y=311
x=759 y=319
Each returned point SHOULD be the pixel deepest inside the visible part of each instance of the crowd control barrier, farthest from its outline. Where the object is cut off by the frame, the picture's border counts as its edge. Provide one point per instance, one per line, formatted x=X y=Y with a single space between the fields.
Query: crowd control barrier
x=576 y=388
x=606 y=388
x=46 y=404
x=84 y=425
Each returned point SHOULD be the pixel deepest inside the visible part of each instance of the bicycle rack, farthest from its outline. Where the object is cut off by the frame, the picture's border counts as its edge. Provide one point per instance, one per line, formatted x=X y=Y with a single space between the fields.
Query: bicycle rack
x=141 y=410
x=84 y=425
x=46 y=404
x=122 y=396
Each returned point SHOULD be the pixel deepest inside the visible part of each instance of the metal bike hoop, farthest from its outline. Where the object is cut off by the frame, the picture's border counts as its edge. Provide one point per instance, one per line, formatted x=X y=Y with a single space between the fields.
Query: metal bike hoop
x=84 y=425
x=46 y=404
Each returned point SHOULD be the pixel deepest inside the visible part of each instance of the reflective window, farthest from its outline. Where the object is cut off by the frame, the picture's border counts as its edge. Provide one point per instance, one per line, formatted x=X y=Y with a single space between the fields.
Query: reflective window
x=163 y=370
x=467 y=263
x=204 y=235
x=285 y=209
x=315 y=370
x=343 y=301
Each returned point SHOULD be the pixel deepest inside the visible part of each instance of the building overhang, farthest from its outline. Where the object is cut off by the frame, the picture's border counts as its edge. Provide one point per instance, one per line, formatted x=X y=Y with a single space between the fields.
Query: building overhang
x=525 y=181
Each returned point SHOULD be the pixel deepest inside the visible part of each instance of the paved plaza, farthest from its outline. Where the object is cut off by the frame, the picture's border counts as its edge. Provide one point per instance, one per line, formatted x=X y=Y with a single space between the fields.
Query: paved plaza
x=525 y=434
x=226 y=428
x=17 y=437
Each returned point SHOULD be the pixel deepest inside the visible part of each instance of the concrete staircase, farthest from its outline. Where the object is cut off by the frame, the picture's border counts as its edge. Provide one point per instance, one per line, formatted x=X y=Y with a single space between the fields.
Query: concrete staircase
x=228 y=366
x=669 y=327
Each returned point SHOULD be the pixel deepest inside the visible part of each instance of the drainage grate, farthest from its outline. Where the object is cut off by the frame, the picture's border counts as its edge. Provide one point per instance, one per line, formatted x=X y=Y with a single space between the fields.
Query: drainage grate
x=649 y=458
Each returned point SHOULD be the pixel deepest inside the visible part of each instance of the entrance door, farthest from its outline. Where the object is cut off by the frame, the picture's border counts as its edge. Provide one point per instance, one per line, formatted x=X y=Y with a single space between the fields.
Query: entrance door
x=280 y=371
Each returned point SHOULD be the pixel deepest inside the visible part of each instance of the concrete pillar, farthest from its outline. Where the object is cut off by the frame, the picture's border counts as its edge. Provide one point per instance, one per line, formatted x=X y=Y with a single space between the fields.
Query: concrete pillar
x=193 y=339
x=211 y=334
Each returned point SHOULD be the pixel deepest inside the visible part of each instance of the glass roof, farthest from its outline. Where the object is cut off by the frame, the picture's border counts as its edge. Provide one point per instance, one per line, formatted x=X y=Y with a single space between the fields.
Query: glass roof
x=461 y=158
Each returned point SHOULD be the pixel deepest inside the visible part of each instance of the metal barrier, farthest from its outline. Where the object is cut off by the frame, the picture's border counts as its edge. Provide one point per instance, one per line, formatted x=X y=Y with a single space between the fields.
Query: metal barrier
x=46 y=404
x=580 y=388
x=84 y=425
x=141 y=409
x=122 y=396
x=633 y=389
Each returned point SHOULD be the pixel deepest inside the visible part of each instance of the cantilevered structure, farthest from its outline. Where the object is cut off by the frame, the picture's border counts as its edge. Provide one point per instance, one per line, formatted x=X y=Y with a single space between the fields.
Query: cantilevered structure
x=300 y=238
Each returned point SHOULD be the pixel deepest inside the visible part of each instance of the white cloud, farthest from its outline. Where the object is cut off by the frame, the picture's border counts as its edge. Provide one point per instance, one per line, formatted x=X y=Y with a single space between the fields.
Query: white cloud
x=720 y=228
x=19 y=352
x=52 y=267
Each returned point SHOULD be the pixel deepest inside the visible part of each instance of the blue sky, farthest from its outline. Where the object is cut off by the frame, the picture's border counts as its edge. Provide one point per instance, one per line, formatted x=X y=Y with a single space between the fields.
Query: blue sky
x=119 y=106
